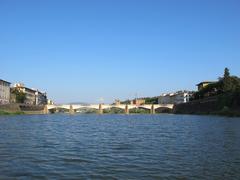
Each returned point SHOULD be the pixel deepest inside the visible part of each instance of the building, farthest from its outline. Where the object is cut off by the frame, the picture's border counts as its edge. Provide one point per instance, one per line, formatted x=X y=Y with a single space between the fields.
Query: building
x=40 y=98
x=117 y=102
x=30 y=93
x=165 y=99
x=203 y=84
x=138 y=102
x=33 y=97
x=4 y=92
x=175 y=98
x=50 y=102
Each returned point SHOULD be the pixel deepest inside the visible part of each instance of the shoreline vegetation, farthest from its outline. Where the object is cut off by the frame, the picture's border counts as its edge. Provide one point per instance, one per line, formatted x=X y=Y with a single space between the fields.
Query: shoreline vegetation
x=218 y=98
x=11 y=113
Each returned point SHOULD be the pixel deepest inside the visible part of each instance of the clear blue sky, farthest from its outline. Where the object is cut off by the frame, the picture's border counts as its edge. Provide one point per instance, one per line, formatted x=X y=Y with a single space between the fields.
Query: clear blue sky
x=83 y=50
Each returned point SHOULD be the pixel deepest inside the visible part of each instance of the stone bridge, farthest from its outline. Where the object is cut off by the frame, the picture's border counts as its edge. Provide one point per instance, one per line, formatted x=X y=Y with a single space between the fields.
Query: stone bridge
x=100 y=107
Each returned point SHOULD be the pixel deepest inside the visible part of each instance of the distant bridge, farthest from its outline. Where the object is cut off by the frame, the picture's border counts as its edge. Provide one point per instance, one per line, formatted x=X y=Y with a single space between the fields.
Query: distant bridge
x=100 y=107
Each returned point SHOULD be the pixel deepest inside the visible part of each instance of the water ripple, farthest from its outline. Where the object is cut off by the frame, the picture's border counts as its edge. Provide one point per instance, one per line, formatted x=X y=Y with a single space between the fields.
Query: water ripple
x=119 y=147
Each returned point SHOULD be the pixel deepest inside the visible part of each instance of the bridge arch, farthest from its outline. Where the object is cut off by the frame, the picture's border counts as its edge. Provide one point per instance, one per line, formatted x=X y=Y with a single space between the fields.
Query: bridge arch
x=146 y=108
x=114 y=110
x=163 y=110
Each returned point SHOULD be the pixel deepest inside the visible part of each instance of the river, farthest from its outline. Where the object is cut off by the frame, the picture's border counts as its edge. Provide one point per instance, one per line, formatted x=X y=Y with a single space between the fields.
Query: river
x=65 y=146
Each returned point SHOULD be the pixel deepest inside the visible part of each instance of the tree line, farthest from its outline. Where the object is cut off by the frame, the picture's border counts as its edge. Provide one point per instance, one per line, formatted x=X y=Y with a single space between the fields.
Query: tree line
x=227 y=89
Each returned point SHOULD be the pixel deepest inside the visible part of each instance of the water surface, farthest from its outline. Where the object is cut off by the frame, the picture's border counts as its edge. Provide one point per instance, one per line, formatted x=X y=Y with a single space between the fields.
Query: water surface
x=119 y=147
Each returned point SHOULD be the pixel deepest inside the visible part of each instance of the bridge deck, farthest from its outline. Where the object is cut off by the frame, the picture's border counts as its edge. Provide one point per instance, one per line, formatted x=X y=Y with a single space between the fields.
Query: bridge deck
x=107 y=106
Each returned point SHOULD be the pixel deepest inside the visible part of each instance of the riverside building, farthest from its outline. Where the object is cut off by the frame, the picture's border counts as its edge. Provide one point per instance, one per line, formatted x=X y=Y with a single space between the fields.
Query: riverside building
x=175 y=98
x=33 y=97
x=138 y=102
x=4 y=92
x=40 y=98
x=204 y=84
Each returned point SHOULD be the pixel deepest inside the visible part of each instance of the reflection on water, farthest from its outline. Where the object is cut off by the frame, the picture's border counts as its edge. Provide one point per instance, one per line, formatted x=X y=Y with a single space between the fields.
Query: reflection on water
x=119 y=147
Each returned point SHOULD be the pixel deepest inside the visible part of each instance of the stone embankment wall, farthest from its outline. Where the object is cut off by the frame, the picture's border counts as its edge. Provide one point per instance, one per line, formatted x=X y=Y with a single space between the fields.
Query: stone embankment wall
x=10 y=107
x=203 y=106
x=28 y=109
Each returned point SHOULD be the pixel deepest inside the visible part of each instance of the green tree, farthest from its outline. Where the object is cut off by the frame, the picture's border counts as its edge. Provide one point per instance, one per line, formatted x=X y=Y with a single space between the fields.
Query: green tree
x=226 y=73
x=151 y=100
x=20 y=96
x=226 y=81
x=229 y=83
x=226 y=84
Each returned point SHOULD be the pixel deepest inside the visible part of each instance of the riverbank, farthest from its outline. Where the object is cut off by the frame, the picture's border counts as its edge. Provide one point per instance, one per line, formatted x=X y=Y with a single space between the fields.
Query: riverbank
x=208 y=106
x=227 y=113
x=11 y=113
x=20 y=112
x=19 y=109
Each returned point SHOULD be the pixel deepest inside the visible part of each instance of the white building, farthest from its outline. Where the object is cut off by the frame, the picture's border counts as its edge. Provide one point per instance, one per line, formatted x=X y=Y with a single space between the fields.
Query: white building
x=4 y=92
x=175 y=98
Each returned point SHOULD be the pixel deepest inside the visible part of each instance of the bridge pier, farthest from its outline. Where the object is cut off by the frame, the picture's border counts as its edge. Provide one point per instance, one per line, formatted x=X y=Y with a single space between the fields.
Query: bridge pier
x=126 y=109
x=45 y=110
x=71 y=110
x=152 y=109
x=100 y=110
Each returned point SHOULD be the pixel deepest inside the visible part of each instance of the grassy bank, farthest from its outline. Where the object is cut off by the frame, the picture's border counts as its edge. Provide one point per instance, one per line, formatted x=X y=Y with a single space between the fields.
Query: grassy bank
x=11 y=113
